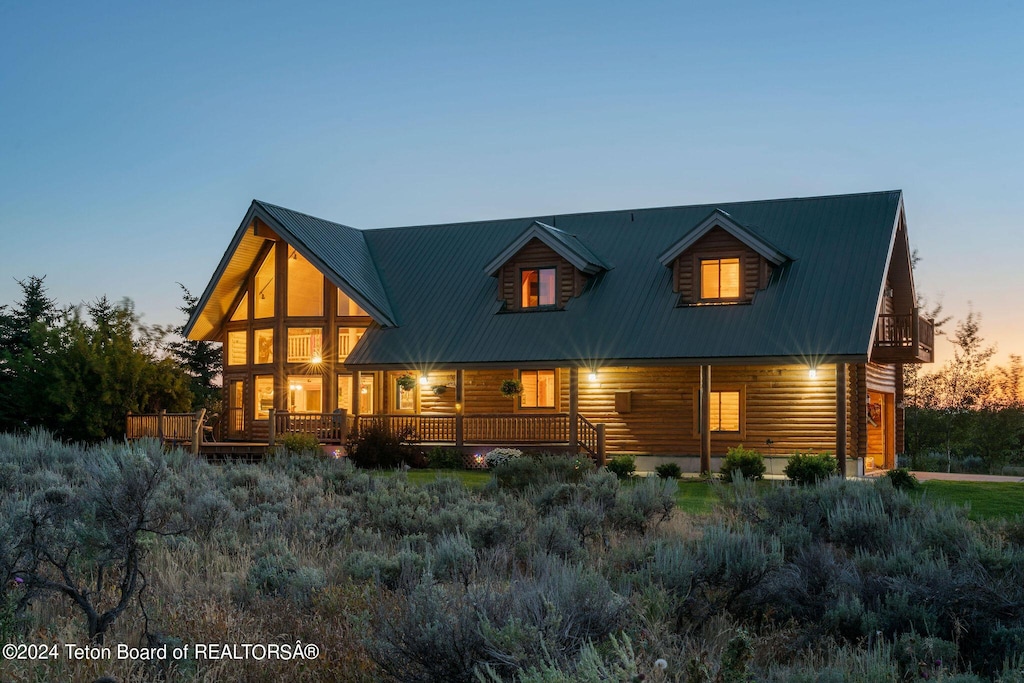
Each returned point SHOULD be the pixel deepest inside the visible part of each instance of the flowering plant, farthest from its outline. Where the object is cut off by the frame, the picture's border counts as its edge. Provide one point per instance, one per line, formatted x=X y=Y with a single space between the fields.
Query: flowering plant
x=500 y=456
x=407 y=382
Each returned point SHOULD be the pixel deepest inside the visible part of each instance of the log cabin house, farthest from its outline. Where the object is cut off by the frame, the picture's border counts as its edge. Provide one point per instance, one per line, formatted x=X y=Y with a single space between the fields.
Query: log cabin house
x=670 y=333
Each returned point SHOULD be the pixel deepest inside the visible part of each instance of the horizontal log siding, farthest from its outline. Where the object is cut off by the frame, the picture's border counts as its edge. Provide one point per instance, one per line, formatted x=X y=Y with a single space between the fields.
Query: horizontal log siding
x=881 y=377
x=718 y=244
x=782 y=403
x=431 y=403
x=536 y=254
x=482 y=392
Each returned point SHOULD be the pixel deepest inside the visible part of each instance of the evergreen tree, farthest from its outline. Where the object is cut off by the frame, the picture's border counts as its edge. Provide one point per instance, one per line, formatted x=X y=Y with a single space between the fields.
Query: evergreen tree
x=202 y=360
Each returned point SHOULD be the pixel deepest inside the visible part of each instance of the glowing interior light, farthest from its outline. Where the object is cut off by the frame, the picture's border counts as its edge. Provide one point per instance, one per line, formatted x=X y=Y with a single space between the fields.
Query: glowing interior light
x=317 y=358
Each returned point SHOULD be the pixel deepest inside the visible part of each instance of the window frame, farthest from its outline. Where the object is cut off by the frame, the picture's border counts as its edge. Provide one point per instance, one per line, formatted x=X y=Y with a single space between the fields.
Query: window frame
x=519 y=288
x=557 y=393
x=699 y=272
x=741 y=389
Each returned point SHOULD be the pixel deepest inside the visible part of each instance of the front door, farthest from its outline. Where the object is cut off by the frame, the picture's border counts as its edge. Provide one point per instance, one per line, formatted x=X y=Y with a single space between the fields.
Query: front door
x=236 y=409
x=881 y=430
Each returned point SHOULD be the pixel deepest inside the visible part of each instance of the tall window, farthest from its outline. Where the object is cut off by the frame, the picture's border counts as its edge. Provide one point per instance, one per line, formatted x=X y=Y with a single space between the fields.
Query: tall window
x=538 y=287
x=264 y=346
x=725 y=411
x=305 y=287
x=237 y=348
x=242 y=312
x=720 y=278
x=538 y=389
x=405 y=399
x=264 y=286
x=347 y=338
x=347 y=308
x=305 y=394
x=263 y=391
x=305 y=344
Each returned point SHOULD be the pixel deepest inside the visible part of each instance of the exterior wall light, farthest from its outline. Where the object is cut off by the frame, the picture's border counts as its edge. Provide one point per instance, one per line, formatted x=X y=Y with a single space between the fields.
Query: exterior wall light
x=592 y=376
x=423 y=380
x=812 y=373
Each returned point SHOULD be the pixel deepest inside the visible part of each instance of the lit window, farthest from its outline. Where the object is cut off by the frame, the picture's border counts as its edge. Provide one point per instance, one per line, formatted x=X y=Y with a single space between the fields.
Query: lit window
x=264 y=392
x=264 y=285
x=305 y=394
x=538 y=389
x=305 y=344
x=347 y=338
x=366 y=385
x=725 y=411
x=242 y=311
x=347 y=308
x=264 y=346
x=720 y=278
x=405 y=399
x=345 y=392
x=538 y=287
x=305 y=287
x=236 y=348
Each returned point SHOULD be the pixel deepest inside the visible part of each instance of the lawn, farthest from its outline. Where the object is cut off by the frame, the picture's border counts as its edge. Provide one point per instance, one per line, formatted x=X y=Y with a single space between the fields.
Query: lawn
x=697 y=496
x=987 y=500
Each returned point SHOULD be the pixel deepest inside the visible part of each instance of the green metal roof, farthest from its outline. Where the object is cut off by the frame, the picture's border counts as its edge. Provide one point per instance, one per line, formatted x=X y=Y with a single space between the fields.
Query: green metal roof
x=435 y=304
x=821 y=304
x=340 y=252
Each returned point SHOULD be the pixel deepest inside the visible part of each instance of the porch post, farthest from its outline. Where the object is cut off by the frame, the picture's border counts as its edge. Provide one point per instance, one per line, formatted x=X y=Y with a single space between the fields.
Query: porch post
x=601 y=447
x=357 y=386
x=197 y=433
x=841 y=418
x=271 y=427
x=705 y=419
x=574 y=403
x=460 y=409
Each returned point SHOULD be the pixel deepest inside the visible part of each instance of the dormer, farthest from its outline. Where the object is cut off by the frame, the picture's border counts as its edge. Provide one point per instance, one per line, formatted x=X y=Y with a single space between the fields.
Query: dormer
x=720 y=261
x=542 y=269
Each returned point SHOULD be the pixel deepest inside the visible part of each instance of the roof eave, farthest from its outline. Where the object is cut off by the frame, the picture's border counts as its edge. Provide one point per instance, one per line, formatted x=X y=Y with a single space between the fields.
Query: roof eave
x=721 y=219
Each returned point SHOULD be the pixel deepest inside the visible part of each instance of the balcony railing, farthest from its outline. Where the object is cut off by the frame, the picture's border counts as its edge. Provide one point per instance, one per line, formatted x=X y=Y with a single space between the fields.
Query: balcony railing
x=904 y=338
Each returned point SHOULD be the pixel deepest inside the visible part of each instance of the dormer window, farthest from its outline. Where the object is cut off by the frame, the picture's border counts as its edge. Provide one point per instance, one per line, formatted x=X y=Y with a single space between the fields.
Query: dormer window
x=720 y=279
x=538 y=287
x=542 y=269
x=720 y=261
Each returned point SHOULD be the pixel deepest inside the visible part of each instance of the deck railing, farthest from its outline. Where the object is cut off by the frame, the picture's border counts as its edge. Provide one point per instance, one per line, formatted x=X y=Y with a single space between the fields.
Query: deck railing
x=429 y=428
x=551 y=428
x=175 y=428
x=906 y=331
x=587 y=434
x=328 y=428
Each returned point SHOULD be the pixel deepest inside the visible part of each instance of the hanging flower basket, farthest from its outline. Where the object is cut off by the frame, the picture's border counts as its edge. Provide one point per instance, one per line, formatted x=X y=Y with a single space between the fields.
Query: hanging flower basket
x=511 y=388
x=439 y=389
x=407 y=382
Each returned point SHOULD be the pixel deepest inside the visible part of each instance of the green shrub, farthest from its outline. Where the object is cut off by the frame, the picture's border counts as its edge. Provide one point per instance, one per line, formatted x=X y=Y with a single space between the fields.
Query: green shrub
x=377 y=447
x=810 y=468
x=445 y=459
x=747 y=462
x=622 y=466
x=902 y=479
x=668 y=470
x=300 y=443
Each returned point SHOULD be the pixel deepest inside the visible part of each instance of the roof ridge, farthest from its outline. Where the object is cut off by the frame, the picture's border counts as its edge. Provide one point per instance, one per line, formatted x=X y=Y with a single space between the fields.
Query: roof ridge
x=674 y=207
x=307 y=215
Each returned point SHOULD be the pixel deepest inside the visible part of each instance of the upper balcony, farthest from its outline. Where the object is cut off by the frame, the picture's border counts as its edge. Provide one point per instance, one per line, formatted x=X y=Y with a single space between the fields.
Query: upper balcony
x=904 y=338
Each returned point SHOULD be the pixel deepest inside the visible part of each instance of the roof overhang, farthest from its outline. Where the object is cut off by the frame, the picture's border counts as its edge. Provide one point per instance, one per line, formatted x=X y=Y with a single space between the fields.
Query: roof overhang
x=592 y=364
x=229 y=280
x=562 y=243
x=720 y=219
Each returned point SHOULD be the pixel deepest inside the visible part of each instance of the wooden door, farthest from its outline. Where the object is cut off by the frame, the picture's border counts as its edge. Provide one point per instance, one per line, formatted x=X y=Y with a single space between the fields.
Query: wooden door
x=236 y=409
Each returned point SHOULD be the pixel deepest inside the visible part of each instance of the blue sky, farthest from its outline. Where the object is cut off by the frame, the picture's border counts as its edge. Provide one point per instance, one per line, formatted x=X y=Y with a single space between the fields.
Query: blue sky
x=134 y=135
